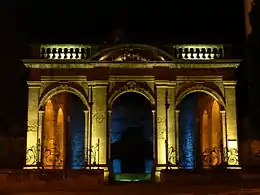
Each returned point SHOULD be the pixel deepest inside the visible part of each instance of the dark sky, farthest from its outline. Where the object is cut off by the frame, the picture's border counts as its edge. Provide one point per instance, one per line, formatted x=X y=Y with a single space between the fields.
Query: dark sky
x=165 y=22
x=161 y=21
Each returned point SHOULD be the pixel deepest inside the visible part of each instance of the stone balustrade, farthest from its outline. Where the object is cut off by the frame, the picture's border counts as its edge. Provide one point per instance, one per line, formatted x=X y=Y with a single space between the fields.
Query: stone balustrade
x=198 y=52
x=57 y=52
x=183 y=51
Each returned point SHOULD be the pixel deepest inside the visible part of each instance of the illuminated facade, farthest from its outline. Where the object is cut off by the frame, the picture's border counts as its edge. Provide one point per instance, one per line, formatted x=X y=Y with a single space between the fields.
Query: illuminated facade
x=188 y=93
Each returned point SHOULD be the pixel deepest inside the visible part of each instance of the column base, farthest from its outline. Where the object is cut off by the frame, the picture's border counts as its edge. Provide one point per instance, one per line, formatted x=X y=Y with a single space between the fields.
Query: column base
x=30 y=167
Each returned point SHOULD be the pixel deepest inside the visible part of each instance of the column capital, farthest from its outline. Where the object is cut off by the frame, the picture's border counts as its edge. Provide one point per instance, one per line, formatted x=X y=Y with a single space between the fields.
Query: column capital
x=34 y=84
x=153 y=111
x=177 y=111
x=41 y=111
x=109 y=111
x=229 y=84
x=86 y=111
x=222 y=111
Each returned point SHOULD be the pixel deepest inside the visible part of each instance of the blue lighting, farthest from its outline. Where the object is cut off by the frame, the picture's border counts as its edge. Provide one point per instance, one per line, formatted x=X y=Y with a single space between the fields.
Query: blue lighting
x=187 y=132
x=77 y=133
x=148 y=166
x=117 y=166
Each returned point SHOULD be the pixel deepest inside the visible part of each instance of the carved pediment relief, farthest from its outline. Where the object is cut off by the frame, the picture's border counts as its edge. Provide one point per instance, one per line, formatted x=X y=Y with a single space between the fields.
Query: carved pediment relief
x=127 y=54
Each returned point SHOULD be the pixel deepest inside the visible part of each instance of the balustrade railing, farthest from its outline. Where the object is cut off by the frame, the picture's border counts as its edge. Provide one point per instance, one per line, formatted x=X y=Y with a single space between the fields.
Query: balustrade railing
x=198 y=52
x=57 y=52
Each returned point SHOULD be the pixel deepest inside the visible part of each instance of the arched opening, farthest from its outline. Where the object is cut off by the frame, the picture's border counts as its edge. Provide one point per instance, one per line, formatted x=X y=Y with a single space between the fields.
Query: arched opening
x=131 y=137
x=63 y=134
x=200 y=130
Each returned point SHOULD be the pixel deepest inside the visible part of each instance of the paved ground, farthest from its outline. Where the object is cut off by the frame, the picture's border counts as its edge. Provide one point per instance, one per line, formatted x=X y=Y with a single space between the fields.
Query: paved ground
x=131 y=189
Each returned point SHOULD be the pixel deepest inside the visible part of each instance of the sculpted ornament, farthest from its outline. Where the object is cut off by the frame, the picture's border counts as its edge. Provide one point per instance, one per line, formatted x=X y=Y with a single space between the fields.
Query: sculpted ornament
x=129 y=87
x=32 y=128
x=64 y=87
x=200 y=87
x=99 y=117
x=160 y=119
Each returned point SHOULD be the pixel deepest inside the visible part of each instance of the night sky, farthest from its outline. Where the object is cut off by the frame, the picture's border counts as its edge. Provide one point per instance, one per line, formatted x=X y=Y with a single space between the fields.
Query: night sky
x=152 y=22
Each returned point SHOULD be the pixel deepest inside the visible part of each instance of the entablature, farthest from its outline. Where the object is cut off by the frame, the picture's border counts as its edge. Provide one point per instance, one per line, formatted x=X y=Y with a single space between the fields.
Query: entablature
x=84 y=64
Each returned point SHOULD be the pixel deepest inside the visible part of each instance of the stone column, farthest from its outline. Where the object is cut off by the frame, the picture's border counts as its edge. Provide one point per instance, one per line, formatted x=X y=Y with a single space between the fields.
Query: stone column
x=109 y=133
x=99 y=126
x=40 y=129
x=32 y=124
x=86 y=112
x=224 y=133
x=154 y=137
x=231 y=118
x=171 y=125
x=177 y=145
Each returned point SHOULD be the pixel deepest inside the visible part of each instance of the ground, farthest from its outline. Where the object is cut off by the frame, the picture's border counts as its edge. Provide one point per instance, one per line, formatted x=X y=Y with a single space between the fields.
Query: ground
x=68 y=188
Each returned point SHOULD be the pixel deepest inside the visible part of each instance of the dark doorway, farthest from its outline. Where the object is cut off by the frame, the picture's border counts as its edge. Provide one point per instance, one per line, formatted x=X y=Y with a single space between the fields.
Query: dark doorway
x=133 y=151
x=131 y=135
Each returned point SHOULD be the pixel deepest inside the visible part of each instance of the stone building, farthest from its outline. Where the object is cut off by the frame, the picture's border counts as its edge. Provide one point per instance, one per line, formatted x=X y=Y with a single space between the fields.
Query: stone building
x=131 y=110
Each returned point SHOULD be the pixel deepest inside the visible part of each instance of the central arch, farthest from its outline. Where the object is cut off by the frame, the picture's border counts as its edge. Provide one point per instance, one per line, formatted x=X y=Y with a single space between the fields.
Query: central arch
x=131 y=135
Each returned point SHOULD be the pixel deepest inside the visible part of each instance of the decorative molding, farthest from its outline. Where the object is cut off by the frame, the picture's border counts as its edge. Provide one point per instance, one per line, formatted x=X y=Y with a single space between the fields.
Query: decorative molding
x=32 y=128
x=121 y=78
x=100 y=117
x=84 y=64
x=199 y=78
x=229 y=84
x=63 y=78
x=34 y=84
x=165 y=83
x=131 y=86
x=63 y=88
x=200 y=88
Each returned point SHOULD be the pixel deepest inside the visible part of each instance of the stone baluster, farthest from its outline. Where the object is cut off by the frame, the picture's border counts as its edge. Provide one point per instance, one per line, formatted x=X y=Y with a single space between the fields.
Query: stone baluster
x=197 y=53
x=181 y=54
x=209 y=53
x=48 y=52
x=191 y=53
x=203 y=51
x=186 y=51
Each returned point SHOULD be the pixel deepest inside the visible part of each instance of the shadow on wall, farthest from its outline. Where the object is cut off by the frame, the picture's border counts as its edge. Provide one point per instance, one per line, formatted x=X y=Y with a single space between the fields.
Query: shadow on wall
x=12 y=152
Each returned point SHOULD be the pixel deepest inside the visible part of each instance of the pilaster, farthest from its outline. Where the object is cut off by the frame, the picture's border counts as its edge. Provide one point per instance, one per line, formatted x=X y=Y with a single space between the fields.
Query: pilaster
x=99 y=125
x=32 y=124
x=161 y=125
x=171 y=126
x=231 y=120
